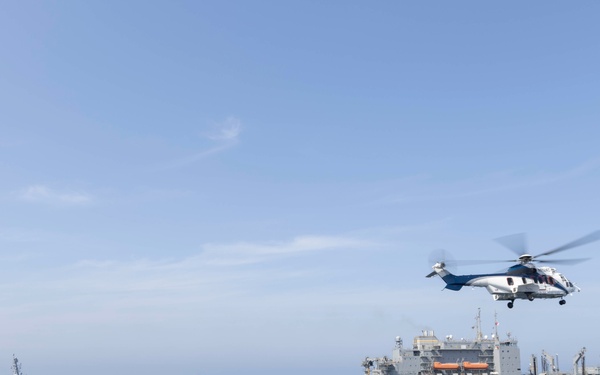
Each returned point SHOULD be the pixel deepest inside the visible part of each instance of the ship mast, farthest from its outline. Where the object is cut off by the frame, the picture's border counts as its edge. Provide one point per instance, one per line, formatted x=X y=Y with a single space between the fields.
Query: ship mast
x=478 y=325
x=496 y=326
x=16 y=367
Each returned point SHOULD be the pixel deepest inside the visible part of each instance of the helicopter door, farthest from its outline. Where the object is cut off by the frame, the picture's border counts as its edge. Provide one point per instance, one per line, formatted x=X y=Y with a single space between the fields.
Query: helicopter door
x=542 y=282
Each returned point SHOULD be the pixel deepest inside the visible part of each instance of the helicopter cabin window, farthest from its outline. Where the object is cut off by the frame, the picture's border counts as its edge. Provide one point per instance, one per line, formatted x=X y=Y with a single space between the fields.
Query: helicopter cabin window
x=510 y=281
x=524 y=280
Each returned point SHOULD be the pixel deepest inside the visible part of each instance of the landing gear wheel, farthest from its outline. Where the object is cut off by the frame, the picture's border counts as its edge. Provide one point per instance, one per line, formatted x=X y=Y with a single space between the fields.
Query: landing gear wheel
x=562 y=302
x=510 y=305
x=530 y=297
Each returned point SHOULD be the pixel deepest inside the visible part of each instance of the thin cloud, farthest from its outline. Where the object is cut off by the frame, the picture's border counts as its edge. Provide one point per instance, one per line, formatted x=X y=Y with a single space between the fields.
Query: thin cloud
x=224 y=135
x=210 y=267
x=18 y=235
x=498 y=182
x=245 y=253
x=228 y=130
x=208 y=291
x=44 y=194
x=191 y=159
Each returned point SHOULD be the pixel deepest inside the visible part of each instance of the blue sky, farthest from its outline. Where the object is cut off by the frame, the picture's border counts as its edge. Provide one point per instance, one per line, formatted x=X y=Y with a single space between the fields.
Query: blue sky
x=208 y=187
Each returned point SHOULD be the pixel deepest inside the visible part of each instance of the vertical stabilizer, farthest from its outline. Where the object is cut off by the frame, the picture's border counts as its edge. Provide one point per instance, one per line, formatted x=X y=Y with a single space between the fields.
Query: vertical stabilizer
x=451 y=280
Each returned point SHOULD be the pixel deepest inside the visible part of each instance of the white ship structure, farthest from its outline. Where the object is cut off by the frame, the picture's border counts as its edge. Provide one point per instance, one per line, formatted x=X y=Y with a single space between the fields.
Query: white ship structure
x=429 y=355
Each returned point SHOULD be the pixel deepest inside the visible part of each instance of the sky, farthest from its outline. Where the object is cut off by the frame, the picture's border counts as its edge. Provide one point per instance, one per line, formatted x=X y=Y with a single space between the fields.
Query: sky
x=195 y=187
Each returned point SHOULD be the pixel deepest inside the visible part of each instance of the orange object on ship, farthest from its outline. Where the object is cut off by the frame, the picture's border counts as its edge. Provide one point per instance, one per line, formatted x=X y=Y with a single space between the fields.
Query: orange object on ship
x=475 y=366
x=445 y=366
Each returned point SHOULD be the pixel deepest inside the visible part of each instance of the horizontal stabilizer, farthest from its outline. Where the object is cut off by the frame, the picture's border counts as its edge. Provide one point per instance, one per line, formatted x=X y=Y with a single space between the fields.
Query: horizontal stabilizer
x=454 y=286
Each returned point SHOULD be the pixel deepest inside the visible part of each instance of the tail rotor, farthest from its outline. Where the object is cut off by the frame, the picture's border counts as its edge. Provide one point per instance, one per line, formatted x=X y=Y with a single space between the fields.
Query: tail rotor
x=441 y=258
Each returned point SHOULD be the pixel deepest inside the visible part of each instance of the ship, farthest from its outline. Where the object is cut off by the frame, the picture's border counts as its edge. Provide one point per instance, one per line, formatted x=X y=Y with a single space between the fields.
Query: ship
x=432 y=356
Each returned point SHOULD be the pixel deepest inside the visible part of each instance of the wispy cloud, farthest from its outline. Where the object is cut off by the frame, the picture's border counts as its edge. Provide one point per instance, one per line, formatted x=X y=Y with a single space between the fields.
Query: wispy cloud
x=223 y=135
x=191 y=159
x=244 y=253
x=235 y=254
x=216 y=263
x=44 y=194
x=217 y=275
x=495 y=183
x=208 y=296
x=228 y=130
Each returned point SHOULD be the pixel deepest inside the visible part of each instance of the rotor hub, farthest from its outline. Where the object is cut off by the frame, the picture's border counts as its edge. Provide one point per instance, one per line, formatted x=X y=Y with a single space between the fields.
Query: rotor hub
x=525 y=258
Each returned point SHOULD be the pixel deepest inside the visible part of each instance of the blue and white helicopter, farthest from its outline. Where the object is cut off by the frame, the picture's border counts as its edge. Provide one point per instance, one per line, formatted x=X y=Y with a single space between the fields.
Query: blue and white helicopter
x=524 y=280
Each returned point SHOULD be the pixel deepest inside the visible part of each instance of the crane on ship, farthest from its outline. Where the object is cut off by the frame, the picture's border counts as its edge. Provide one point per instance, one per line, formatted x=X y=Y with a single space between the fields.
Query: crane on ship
x=579 y=357
x=533 y=365
x=549 y=365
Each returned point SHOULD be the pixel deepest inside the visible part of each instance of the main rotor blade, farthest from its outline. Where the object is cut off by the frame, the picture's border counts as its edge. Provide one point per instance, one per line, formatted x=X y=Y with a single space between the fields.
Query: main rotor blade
x=594 y=236
x=468 y=262
x=445 y=257
x=517 y=243
x=563 y=261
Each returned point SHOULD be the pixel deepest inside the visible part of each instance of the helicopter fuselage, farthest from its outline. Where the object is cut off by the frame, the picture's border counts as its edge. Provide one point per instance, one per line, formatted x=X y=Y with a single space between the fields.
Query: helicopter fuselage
x=522 y=281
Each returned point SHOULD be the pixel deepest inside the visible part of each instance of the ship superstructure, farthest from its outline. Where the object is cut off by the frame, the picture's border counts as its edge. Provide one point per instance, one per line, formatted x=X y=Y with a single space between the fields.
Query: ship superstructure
x=432 y=356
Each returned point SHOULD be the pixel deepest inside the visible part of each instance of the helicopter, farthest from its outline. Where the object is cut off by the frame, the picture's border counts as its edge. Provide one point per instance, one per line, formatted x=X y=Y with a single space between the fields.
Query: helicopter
x=524 y=280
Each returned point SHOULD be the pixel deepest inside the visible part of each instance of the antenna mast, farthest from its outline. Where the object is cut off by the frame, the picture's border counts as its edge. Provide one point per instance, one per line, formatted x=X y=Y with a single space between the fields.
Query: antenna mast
x=478 y=325
x=16 y=367
x=496 y=326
